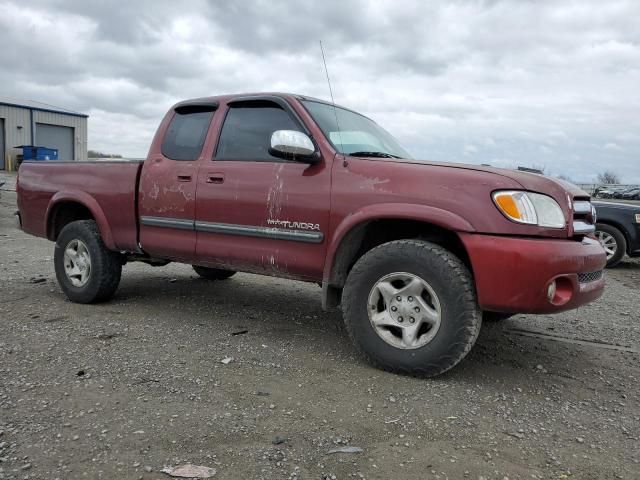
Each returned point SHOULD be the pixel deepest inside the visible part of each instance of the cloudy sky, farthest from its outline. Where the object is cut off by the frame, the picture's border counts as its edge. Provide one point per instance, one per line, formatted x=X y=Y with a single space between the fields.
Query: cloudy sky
x=547 y=83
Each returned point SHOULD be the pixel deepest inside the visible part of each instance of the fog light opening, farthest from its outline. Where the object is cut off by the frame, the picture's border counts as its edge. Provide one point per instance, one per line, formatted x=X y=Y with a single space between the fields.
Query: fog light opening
x=560 y=291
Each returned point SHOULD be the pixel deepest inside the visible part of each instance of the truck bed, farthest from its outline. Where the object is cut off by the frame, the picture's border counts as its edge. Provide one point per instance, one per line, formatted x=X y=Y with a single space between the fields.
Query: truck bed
x=107 y=188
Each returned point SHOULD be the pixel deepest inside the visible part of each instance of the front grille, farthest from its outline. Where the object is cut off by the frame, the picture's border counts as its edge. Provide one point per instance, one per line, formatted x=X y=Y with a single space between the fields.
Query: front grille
x=583 y=217
x=590 y=276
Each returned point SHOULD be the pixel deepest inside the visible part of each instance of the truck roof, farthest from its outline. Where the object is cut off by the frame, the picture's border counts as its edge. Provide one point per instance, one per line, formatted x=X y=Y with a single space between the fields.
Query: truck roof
x=217 y=99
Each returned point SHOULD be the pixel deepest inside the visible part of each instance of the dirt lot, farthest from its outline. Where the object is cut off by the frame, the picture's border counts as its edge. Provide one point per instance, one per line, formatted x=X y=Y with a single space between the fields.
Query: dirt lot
x=119 y=390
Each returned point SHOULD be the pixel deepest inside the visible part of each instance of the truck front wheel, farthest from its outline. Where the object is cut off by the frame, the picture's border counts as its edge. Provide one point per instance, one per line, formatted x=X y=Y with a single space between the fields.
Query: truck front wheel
x=86 y=270
x=410 y=307
x=213 y=273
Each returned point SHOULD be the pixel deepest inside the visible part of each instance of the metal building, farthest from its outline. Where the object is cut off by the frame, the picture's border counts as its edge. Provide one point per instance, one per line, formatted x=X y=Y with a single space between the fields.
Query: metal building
x=24 y=122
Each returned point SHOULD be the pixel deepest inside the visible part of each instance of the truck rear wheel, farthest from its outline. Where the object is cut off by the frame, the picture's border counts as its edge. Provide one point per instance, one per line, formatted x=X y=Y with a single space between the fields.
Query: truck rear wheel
x=213 y=273
x=410 y=307
x=86 y=270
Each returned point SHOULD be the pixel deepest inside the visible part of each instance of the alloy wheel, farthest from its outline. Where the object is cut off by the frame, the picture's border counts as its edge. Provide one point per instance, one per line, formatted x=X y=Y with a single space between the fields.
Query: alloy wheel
x=77 y=263
x=404 y=310
x=608 y=242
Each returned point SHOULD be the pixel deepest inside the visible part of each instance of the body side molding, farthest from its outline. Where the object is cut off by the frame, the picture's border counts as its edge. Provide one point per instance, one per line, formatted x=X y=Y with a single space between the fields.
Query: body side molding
x=233 y=229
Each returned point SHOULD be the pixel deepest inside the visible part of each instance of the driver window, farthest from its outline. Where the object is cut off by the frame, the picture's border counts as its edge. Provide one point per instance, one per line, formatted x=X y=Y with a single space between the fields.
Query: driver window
x=248 y=126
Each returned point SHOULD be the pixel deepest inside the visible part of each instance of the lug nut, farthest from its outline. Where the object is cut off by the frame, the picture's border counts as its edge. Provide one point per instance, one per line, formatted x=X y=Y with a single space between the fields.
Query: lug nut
x=399 y=298
x=411 y=319
x=410 y=299
x=393 y=309
x=400 y=319
x=417 y=309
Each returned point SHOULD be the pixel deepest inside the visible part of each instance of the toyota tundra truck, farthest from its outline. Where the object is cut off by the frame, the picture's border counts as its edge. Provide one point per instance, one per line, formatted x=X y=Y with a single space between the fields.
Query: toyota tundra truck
x=415 y=253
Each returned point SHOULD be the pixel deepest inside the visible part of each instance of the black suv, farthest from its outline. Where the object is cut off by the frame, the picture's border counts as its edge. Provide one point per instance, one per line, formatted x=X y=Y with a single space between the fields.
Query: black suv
x=618 y=229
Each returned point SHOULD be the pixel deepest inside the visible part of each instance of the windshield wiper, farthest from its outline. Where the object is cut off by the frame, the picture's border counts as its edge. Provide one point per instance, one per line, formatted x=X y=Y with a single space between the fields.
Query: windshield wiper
x=373 y=154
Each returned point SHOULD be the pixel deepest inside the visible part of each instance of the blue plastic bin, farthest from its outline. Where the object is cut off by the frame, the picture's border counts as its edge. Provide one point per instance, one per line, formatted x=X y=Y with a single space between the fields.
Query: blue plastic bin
x=31 y=152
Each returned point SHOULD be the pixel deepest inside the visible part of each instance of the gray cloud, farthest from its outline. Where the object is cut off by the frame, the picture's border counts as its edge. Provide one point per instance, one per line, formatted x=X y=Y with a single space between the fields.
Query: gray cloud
x=502 y=82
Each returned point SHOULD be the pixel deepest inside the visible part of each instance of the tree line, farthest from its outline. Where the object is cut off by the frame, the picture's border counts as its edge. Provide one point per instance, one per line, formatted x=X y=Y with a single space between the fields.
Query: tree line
x=97 y=154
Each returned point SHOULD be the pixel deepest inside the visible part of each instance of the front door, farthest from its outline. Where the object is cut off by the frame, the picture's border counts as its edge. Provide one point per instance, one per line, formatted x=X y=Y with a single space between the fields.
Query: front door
x=254 y=211
x=167 y=192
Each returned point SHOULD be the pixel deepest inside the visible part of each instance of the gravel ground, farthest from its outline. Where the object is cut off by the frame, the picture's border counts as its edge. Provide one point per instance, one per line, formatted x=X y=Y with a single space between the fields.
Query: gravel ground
x=122 y=389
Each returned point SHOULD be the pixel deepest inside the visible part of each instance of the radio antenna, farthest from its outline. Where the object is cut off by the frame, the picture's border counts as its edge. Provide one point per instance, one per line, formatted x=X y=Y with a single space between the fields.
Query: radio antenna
x=335 y=109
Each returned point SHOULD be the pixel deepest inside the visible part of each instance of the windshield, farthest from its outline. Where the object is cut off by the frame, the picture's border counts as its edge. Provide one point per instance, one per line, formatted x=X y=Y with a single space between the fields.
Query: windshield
x=357 y=136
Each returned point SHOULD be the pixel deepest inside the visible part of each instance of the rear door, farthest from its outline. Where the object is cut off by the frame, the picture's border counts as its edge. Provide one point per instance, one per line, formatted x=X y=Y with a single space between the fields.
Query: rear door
x=254 y=211
x=167 y=191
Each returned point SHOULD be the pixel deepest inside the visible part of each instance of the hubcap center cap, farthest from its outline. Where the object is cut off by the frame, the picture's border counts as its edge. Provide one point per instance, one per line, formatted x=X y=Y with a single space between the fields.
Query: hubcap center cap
x=402 y=310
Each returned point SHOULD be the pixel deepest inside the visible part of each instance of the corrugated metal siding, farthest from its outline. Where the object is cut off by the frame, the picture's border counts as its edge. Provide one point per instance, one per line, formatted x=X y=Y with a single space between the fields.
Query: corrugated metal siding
x=14 y=136
x=15 y=117
x=78 y=123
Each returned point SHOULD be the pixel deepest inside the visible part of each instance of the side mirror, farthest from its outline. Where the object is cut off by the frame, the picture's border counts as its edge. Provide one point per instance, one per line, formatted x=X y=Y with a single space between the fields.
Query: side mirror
x=293 y=145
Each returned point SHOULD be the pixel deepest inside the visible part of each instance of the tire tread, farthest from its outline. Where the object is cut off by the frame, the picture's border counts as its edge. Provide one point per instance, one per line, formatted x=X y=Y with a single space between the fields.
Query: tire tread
x=470 y=318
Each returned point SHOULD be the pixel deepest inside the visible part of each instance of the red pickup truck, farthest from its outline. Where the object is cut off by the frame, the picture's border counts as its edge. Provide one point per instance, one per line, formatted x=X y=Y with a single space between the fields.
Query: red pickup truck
x=415 y=252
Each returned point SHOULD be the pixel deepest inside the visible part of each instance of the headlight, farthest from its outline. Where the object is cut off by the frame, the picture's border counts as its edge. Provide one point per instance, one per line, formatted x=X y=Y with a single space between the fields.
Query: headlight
x=530 y=208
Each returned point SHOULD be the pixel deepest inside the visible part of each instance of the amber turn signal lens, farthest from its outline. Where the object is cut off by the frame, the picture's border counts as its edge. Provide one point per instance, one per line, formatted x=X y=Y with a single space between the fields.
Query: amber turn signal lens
x=508 y=205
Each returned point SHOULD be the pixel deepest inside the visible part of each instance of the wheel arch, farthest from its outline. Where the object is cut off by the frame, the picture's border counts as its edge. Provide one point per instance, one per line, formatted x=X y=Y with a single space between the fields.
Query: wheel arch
x=365 y=230
x=66 y=207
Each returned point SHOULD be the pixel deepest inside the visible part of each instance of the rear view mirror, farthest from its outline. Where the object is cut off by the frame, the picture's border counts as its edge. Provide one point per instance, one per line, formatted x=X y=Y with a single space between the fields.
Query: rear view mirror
x=293 y=145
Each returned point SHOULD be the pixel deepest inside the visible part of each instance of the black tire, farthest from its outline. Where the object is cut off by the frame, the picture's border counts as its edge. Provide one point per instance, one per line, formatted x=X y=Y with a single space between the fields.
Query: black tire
x=213 y=273
x=620 y=240
x=453 y=284
x=495 y=316
x=105 y=270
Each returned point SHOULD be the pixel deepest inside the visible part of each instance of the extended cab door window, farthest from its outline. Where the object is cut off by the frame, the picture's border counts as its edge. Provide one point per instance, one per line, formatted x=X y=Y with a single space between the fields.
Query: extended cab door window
x=247 y=129
x=186 y=133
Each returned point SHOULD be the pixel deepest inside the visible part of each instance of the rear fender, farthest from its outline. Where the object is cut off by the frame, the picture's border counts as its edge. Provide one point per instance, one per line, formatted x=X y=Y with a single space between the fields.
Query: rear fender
x=91 y=204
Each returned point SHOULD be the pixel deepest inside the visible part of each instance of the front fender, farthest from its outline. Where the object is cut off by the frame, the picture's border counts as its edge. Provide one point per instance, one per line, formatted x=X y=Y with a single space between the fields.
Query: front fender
x=87 y=201
x=404 y=211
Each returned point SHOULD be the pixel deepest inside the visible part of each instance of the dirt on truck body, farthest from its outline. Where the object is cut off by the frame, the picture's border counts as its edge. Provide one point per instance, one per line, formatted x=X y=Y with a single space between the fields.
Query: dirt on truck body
x=416 y=252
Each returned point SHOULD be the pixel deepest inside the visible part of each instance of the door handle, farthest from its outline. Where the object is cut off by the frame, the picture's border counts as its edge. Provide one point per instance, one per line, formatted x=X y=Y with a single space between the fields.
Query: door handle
x=215 y=178
x=184 y=178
